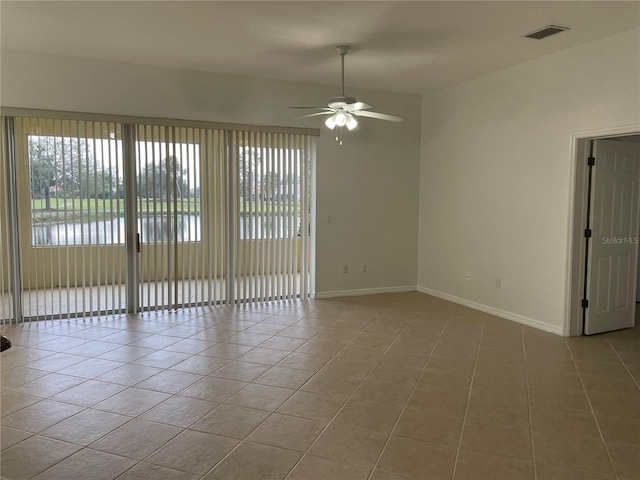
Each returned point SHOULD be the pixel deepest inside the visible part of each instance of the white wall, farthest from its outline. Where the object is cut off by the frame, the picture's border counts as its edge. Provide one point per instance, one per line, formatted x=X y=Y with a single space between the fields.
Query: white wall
x=369 y=186
x=495 y=175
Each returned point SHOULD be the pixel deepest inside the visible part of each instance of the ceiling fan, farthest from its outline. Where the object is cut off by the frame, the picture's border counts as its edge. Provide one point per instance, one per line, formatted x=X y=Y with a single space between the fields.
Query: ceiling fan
x=342 y=110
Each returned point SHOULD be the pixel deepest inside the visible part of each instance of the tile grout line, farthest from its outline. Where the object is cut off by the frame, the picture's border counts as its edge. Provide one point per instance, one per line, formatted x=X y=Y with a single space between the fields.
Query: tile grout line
x=323 y=368
x=272 y=413
x=466 y=411
x=347 y=400
x=89 y=447
x=39 y=433
x=593 y=413
x=184 y=429
x=131 y=418
x=404 y=407
x=623 y=364
x=526 y=378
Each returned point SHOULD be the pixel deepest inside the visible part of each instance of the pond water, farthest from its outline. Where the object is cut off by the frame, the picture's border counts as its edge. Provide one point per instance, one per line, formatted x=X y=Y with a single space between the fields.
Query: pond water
x=154 y=229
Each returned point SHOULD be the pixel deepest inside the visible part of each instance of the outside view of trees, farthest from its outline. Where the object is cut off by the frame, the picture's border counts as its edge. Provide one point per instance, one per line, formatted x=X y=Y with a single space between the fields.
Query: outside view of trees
x=165 y=180
x=77 y=192
x=268 y=196
x=66 y=167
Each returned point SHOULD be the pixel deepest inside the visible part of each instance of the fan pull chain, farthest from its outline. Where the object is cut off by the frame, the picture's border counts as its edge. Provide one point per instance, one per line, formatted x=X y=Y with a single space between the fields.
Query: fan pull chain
x=339 y=135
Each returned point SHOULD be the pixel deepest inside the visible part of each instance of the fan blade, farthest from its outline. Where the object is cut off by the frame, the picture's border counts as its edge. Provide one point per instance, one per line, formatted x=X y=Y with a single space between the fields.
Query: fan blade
x=311 y=108
x=379 y=116
x=316 y=114
x=355 y=107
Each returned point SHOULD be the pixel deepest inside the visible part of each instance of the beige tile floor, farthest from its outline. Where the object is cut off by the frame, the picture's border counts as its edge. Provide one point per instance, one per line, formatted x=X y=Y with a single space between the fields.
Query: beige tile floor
x=387 y=387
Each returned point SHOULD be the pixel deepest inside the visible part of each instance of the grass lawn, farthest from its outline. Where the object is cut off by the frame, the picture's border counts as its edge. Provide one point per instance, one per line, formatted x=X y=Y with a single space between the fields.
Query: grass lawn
x=75 y=209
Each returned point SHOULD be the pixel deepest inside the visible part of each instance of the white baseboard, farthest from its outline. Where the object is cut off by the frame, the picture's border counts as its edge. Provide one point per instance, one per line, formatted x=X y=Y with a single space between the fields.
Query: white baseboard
x=494 y=311
x=365 y=291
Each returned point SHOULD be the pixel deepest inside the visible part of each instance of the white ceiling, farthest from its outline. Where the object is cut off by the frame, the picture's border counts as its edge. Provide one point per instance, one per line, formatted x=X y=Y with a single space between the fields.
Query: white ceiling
x=408 y=47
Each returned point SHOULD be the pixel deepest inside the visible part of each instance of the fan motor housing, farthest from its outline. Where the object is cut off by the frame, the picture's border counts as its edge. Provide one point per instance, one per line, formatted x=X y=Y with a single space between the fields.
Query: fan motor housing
x=341 y=101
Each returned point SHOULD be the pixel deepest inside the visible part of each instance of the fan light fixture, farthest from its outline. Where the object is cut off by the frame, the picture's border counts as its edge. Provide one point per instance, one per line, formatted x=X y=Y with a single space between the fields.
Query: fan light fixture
x=351 y=122
x=341 y=119
x=331 y=122
x=343 y=110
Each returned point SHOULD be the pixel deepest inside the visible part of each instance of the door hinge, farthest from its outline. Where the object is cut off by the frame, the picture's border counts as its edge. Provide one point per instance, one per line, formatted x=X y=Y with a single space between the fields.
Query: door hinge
x=585 y=303
x=587 y=233
x=591 y=161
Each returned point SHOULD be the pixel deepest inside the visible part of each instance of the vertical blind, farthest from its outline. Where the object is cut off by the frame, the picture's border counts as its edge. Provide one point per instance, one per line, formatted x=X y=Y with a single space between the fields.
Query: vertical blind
x=181 y=203
x=8 y=298
x=69 y=212
x=113 y=217
x=273 y=205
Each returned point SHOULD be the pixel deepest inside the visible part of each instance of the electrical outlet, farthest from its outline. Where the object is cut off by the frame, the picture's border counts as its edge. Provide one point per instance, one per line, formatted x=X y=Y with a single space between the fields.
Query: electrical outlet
x=499 y=283
x=345 y=268
x=468 y=276
x=329 y=219
x=364 y=268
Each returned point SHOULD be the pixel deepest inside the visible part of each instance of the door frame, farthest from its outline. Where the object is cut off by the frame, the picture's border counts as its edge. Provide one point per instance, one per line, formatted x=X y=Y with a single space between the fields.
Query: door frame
x=578 y=190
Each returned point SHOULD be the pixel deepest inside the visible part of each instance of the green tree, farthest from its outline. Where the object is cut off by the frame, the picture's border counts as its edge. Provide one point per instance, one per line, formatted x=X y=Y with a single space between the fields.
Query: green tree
x=247 y=161
x=270 y=185
x=64 y=166
x=164 y=180
x=44 y=170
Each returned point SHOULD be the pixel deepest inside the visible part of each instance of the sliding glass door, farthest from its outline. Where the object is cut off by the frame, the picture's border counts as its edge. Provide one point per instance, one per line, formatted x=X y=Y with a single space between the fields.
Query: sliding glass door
x=70 y=217
x=113 y=217
x=181 y=202
x=272 y=205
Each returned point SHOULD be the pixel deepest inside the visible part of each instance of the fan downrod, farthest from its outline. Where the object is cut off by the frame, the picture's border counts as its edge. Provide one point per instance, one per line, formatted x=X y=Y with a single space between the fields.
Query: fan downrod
x=342 y=50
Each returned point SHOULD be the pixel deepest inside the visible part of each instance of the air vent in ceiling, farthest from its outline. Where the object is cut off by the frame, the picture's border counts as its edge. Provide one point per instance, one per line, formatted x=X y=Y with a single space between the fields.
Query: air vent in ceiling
x=546 y=32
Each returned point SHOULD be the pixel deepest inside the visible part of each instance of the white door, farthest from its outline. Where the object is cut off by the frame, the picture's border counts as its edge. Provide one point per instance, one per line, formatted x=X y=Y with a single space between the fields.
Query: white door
x=638 y=282
x=613 y=250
